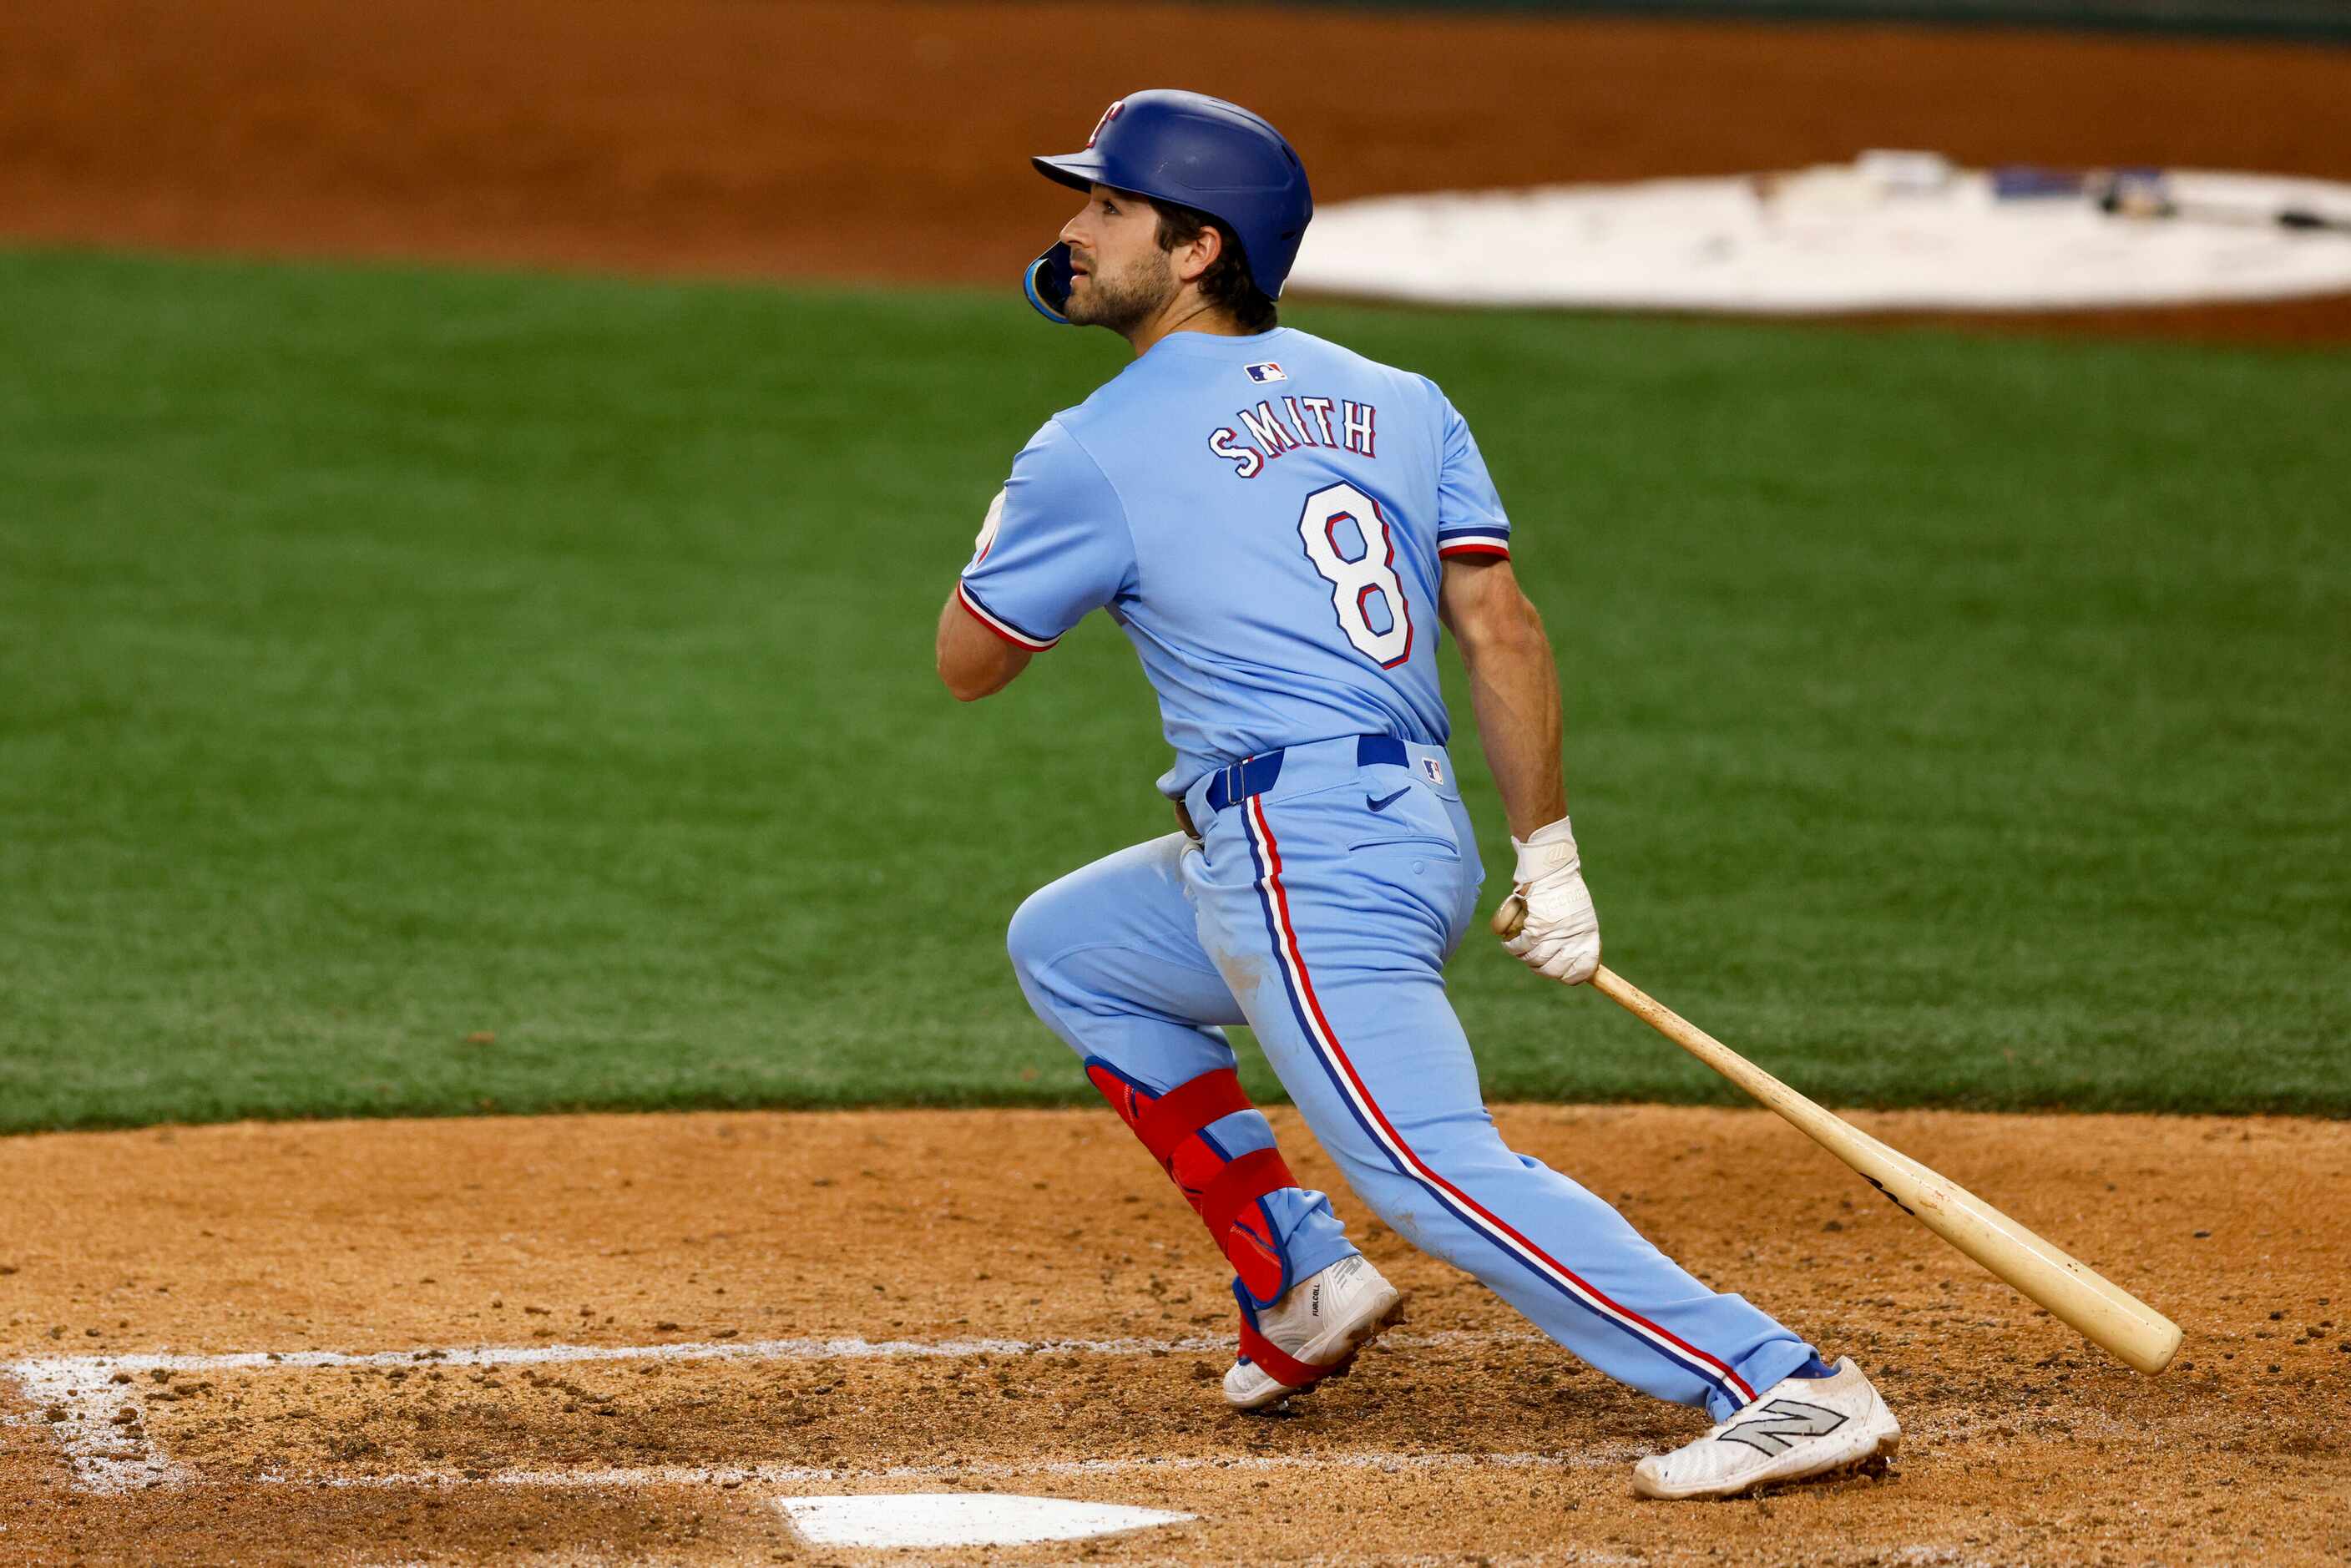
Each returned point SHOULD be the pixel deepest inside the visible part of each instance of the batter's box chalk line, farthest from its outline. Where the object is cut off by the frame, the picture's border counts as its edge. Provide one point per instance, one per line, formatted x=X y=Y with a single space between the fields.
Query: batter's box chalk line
x=99 y=1425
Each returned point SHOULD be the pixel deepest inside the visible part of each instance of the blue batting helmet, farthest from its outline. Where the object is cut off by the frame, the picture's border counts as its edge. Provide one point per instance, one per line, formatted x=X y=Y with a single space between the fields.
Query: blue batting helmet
x=1191 y=150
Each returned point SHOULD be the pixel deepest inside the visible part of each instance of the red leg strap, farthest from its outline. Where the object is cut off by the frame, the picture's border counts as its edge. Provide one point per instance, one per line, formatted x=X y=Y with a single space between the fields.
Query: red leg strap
x=1276 y=1363
x=1173 y=1128
x=1190 y=1106
x=1241 y=1182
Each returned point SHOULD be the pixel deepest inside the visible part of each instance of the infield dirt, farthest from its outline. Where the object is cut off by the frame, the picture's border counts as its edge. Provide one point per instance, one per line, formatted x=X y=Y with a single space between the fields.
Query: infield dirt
x=1461 y=1439
x=889 y=142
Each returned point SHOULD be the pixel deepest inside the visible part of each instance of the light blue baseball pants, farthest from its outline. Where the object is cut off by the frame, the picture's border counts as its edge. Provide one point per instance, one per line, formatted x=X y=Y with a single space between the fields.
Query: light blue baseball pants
x=1321 y=910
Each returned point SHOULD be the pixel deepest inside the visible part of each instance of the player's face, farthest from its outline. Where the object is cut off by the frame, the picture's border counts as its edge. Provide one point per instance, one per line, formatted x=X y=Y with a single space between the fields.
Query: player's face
x=1122 y=278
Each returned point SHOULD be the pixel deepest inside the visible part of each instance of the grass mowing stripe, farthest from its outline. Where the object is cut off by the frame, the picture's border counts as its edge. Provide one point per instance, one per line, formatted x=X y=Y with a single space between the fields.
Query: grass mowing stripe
x=392 y=656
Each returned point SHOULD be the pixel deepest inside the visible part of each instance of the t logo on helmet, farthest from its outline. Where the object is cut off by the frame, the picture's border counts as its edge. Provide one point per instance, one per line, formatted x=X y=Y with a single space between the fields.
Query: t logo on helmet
x=1108 y=115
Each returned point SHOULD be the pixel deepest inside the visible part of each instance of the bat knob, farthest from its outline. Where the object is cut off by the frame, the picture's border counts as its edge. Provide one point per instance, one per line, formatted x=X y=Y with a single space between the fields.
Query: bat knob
x=1510 y=916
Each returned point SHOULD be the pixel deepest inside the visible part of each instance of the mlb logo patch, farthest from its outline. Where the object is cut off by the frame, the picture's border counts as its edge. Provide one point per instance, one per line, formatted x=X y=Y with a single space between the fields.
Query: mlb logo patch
x=1268 y=372
x=1436 y=774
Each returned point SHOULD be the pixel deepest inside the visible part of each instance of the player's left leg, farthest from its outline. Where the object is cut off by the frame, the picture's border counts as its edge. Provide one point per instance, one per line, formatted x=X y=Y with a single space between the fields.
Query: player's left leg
x=1110 y=957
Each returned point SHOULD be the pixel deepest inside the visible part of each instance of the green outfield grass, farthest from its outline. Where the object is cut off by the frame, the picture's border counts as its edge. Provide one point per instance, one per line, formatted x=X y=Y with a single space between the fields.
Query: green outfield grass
x=390 y=658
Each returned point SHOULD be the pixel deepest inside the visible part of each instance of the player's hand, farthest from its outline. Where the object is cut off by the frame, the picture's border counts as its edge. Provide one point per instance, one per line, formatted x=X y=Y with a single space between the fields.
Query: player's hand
x=1561 y=934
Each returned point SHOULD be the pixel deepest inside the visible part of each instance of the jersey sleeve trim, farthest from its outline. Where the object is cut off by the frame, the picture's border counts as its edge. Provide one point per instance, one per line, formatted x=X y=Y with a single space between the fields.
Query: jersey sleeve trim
x=1473 y=540
x=999 y=624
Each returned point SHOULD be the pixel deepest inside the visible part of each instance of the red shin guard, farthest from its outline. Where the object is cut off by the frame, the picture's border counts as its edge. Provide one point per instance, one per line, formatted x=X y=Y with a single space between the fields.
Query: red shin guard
x=1223 y=1192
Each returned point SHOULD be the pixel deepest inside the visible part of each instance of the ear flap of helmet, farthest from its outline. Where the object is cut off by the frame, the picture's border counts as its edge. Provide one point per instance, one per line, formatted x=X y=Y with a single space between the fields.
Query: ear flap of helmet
x=1046 y=284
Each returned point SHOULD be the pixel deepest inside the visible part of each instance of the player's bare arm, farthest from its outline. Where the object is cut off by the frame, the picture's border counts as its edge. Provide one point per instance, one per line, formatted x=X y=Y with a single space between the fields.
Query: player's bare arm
x=974 y=661
x=1514 y=691
x=1513 y=686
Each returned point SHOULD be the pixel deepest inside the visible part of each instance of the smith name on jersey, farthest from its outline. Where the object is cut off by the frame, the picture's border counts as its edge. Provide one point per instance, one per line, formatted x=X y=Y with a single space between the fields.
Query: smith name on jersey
x=1286 y=501
x=1271 y=433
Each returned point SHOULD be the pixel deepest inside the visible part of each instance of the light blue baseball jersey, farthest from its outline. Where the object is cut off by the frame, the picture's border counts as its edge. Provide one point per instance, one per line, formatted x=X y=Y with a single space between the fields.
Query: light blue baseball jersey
x=1264 y=517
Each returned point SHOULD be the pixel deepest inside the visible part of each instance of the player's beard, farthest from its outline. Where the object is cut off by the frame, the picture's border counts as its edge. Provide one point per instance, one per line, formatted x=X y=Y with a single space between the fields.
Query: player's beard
x=1128 y=300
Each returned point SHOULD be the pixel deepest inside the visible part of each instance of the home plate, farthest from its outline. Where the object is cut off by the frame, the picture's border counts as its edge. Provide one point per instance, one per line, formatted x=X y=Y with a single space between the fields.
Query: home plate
x=960 y=1518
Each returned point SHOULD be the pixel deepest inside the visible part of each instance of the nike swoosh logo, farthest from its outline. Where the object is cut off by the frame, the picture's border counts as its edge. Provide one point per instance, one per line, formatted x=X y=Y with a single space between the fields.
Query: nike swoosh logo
x=1384 y=805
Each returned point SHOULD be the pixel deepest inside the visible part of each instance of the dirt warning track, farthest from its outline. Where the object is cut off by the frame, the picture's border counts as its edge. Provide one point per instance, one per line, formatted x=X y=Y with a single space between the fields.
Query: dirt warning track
x=889 y=142
x=590 y=1340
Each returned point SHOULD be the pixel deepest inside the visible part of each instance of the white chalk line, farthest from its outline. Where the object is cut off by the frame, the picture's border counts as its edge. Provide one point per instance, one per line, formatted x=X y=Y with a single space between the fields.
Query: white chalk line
x=78 y=1404
x=805 y=1474
x=85 y=1400
x=851 y=1348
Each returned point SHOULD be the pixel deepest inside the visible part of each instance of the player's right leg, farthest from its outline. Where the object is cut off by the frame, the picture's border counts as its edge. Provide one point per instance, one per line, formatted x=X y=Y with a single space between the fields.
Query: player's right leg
x=1110 y=957
x=1336 y=895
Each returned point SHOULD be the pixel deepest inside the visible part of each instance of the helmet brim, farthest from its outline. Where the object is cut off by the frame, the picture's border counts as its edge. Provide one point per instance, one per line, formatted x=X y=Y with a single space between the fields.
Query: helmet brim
x=1078 y=171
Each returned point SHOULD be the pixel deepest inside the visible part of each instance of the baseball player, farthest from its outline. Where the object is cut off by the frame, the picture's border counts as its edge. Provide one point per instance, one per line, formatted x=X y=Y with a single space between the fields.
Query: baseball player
x=1281 y=527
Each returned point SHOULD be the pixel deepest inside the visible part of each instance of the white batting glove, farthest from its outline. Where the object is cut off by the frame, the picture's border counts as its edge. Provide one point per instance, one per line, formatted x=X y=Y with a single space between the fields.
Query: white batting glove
x=1561 y=938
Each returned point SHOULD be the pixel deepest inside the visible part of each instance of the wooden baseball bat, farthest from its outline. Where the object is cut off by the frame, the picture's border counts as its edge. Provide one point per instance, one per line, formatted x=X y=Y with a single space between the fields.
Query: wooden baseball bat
x=2103 y=1312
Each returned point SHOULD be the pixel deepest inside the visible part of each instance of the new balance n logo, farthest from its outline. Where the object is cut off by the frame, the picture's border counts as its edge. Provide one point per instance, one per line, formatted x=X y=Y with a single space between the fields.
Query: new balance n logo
x=1775 y=1428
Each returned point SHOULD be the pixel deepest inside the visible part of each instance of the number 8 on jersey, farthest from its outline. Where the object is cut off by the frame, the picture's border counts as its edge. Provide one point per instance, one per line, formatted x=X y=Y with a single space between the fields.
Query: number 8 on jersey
x=1356 y=579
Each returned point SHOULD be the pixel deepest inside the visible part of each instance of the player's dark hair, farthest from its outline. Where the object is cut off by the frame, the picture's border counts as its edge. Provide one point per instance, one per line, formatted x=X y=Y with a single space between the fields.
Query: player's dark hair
x=1227 y=284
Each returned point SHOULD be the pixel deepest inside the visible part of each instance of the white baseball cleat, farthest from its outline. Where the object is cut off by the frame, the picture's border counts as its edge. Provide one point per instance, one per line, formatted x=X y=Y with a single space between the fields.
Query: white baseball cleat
x=1798 y=1428
x=1312 y=1332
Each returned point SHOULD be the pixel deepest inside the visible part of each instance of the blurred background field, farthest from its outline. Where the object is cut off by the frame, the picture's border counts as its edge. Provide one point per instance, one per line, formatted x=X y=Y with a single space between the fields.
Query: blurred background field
x=451 y=659
x=429 y=691
x=886 y=141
